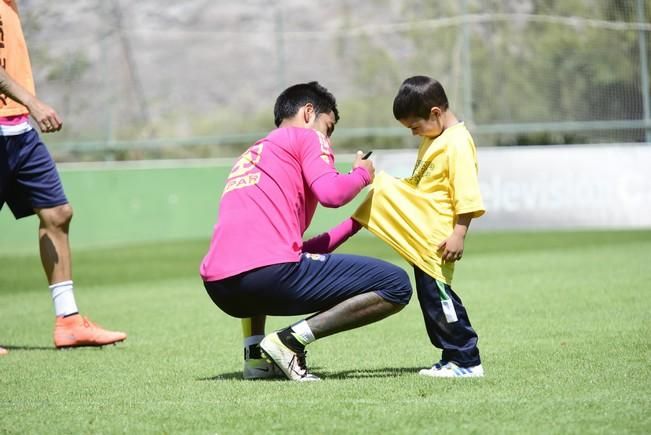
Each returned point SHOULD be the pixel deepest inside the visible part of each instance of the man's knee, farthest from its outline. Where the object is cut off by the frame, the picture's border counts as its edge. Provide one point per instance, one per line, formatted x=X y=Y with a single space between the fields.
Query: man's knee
x=405 y=290
x=400 y=291
x=56 y=217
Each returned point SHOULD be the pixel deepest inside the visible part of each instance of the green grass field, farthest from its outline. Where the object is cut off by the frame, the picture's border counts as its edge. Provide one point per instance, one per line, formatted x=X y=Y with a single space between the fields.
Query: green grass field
x=564 y=321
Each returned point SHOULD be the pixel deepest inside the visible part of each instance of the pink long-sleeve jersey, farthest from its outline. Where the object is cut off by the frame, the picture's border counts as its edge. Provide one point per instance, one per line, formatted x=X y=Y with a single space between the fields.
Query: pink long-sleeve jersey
x=270 y=198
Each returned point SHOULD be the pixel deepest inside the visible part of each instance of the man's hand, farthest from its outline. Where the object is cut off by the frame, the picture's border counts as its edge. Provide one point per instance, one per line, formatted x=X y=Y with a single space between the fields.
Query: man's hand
x=47 y=119
x=366 y=164
x=45 y=116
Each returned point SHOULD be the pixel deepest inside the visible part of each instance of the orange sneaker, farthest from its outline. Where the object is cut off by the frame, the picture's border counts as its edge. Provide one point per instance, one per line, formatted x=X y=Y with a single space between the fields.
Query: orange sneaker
x=3 y=351
x=77 y=330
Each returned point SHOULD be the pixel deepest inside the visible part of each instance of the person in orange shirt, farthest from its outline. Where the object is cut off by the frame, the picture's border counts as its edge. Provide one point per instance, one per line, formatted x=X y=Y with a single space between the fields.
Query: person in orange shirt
x=30 y=183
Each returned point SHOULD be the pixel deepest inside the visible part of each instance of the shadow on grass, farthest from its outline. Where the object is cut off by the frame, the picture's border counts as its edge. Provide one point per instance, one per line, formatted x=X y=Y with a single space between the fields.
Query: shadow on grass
x=19 y=347
x=381 y=372
x=236 y=376
x=54 y=349
x=385 y=372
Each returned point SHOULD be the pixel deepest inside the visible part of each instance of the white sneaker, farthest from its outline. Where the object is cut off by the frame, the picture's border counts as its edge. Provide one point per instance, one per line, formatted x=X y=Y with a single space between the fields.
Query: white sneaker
x=452 y=370
x=259 y=368
x=291 y=363
x=435 y=368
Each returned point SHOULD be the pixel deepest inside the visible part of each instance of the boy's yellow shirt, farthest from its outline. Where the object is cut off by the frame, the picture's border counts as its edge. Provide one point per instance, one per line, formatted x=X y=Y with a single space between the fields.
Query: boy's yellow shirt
x=413 y=215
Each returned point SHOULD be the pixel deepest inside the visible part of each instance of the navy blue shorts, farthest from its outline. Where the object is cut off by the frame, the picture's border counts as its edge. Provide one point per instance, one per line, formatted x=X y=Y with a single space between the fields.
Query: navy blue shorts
x=28 y=175
x=316 y=283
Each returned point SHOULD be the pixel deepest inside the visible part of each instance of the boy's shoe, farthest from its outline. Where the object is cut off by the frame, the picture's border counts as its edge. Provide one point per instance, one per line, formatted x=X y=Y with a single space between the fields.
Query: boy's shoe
x=452 y=370
x=435 y=368
x=291 y=363
x=77 y=330
x=260 y=368
x=3 y=351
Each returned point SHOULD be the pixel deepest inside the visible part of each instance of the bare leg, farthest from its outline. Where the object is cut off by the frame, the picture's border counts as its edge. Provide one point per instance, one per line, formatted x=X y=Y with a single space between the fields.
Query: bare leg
x=70 y=330
x=352 y=313
x=288 y=352
x=53 y=242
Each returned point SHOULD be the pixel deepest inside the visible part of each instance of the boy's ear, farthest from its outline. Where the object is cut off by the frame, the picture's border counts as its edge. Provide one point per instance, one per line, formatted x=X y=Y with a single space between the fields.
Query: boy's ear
x=435 y=112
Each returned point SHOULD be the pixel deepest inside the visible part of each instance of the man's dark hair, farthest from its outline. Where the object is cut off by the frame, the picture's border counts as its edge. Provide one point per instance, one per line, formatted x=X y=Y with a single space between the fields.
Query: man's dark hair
x=416 y=97
x=297 y=96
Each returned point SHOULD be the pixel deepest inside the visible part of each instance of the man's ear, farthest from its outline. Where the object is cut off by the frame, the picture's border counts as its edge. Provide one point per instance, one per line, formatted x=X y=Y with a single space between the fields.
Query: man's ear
x=308 y=111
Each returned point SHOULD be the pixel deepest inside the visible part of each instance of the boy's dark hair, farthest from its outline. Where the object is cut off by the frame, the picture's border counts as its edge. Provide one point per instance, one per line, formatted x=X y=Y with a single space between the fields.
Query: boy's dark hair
x=297 y=96
x=416 y=97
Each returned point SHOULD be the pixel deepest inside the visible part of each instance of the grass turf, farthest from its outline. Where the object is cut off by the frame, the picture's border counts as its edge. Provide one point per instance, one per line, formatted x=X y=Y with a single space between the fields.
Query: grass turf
x=564 y=321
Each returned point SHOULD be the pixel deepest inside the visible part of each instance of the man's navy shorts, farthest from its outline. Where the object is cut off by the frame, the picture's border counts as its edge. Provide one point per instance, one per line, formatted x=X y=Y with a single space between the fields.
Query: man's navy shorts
x=315 y=283
x=28 y=175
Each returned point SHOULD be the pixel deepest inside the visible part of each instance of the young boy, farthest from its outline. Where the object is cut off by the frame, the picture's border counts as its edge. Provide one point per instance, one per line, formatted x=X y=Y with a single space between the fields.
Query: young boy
x=426 y=217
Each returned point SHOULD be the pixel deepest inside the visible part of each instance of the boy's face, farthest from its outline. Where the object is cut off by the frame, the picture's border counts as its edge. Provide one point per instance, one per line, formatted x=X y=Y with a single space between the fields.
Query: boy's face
x=431 y=127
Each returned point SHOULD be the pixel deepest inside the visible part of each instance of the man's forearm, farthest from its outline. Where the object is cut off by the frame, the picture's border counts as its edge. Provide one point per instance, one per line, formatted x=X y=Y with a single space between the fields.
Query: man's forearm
x=13 y=90
x=334 y=189
x=329 y=241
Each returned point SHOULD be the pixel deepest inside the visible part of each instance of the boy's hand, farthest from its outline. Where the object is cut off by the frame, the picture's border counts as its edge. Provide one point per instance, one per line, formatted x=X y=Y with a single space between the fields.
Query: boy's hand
x=452 y=248
x=366 y=164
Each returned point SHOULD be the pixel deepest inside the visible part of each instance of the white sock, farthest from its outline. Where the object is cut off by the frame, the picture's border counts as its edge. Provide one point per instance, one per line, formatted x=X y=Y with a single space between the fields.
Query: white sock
x=251 y=341
x=303 y=333
x=63 y=298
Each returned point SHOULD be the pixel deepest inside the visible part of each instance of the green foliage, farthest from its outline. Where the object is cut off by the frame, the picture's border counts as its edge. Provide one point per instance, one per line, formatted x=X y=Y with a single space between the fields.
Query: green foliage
x=501 y=62
x=563 y=321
